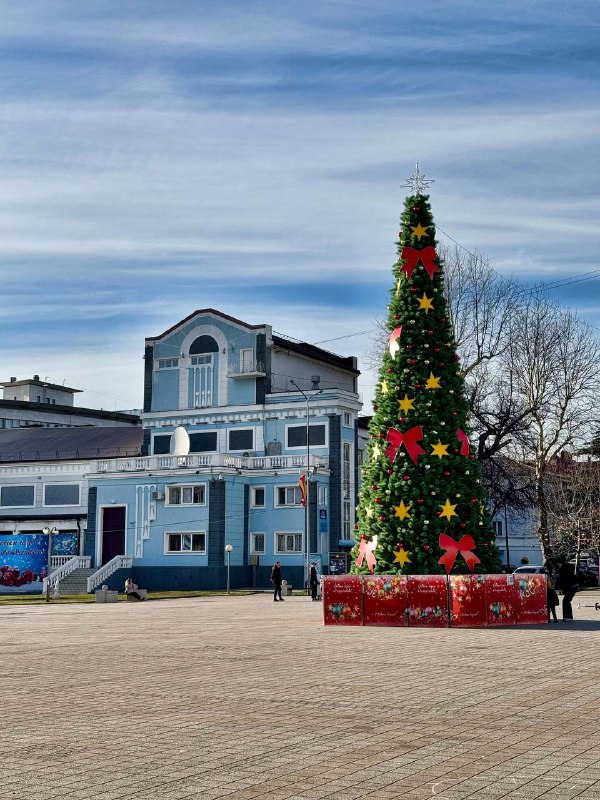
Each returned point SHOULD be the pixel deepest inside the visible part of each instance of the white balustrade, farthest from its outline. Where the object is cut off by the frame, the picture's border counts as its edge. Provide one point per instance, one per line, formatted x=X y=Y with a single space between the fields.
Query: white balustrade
x=207 y=461
x=73 y=563
x=116 y=563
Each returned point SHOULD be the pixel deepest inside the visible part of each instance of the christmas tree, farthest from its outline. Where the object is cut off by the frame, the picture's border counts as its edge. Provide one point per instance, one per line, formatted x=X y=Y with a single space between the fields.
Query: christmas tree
x=422 y=503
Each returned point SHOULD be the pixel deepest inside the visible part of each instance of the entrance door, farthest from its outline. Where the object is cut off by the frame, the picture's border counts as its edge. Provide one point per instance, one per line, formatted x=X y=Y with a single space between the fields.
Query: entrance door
x=113 y=532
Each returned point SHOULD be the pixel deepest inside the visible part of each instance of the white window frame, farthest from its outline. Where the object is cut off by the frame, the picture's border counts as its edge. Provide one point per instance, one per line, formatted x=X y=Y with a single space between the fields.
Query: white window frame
x=183 y=486
x=498 y=527
x=241 y=449
x=322 y=494
x=302 y=447
x=246 y=362
x=167 y=363
x=168 y=552
x=16 y=486
x=253 y=503
x=59 y=505
x=298 y=537
x=347 y=419
x=253 y=548
x=297 y=494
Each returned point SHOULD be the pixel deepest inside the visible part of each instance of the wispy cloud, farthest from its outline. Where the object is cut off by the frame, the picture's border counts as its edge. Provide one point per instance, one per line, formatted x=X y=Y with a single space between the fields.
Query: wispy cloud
x=158 y=158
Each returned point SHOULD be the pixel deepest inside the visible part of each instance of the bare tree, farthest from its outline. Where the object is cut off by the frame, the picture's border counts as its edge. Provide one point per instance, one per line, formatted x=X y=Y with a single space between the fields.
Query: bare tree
x=573 y=497
x=555 y=367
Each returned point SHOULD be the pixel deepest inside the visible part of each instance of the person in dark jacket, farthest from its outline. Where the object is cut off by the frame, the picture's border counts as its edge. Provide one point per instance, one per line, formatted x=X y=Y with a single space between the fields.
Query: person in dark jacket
x=276 y=581
x=314 y=581
x=567 y=583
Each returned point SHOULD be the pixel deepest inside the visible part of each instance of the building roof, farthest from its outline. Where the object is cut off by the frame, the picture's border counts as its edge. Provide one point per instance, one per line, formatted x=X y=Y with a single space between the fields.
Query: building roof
x=68 y=444
x=212 y=311
x=35 y=381
x=317 y=353
x=72 y=411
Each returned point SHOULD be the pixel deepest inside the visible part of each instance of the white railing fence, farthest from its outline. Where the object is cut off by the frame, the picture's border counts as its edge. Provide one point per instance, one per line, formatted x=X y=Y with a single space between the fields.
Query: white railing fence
x=98 y=578
x=196 y=460
x=70 y=565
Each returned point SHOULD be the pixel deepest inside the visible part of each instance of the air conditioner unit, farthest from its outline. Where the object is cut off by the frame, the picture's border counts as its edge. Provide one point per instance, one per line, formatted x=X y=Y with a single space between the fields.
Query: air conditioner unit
x=158 y=496
x=248 y=454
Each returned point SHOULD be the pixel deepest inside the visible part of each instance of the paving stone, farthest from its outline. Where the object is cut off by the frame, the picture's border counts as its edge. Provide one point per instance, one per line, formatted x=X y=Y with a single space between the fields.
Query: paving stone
x=228 y=697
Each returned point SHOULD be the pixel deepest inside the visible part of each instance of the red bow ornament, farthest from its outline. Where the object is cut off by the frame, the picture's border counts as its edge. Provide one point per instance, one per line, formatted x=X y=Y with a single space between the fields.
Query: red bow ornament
x=412 y=256
x=464 y=546
x=365 y=552
x=464 y=441
x=409 y=439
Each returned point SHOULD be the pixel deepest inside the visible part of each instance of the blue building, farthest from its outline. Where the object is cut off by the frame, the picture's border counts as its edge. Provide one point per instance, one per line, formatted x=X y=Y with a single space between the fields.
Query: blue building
x=224 y=451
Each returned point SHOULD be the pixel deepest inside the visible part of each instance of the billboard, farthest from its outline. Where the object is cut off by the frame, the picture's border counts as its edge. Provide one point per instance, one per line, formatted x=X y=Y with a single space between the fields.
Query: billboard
x=23 y=562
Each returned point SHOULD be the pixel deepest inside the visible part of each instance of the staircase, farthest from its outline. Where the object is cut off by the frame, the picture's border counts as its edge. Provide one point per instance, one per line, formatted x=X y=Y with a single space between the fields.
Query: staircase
x=75 y=582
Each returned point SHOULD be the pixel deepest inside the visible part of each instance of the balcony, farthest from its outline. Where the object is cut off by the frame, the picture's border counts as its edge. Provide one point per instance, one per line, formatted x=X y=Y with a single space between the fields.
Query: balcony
x=209 y=462
x=246 y=368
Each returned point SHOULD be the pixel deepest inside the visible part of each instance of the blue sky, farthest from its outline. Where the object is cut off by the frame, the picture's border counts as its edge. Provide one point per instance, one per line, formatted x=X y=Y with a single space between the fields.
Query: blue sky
x=161 y=157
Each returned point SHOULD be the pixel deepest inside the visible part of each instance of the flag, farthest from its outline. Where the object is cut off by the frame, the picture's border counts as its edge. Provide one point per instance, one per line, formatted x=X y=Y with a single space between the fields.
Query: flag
x=302 y=485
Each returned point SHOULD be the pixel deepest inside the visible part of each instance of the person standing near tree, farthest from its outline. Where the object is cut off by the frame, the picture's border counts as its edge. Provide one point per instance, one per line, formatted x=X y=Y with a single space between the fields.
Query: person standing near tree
x=314 y=581
x=567 y=583
x=276 y=581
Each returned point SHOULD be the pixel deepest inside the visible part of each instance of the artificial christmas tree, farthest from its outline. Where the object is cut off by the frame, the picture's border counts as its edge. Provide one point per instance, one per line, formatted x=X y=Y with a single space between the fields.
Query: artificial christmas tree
x=422 y=506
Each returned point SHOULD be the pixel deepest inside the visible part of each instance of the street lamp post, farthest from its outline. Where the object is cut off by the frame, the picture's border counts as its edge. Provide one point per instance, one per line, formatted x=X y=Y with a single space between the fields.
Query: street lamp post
x=228 y=550
x=308 y=398
x=49 y=532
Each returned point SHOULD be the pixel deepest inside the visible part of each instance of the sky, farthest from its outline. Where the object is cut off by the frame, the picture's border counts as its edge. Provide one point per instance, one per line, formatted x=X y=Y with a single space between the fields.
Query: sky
x=161 y=157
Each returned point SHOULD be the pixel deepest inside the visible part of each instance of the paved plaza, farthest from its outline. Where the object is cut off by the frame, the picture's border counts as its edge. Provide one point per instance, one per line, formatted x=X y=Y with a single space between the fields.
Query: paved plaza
x=243 y=698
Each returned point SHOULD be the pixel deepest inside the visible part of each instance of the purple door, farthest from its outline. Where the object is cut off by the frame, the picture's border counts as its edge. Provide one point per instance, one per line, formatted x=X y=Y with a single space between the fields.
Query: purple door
x=113 y=532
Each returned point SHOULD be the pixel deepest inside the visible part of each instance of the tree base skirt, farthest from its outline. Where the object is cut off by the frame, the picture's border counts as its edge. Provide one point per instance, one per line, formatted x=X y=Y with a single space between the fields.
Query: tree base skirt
x=435 y=601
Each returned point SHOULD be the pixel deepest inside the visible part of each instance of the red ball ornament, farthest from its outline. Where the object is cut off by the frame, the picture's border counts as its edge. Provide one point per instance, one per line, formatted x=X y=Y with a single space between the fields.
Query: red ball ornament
x=402 y=419
x=413 y=289
x=446 y=474
x=437 y=349
x=382 y=518
x=443 y=319
x=416 y=209
x=412 y=360
x=463 y=524
x=430 y=333
x=374 y=487
x=474 y=500
x=417 y=385
x=390 y=370
x=375 y=406
x=396 y=316
x=390 y=471
x=378 y=500
x=382 y=436
x=407 y=477
x=420 y=501
x=356 y=526
x=426 y=547
x=409 y=347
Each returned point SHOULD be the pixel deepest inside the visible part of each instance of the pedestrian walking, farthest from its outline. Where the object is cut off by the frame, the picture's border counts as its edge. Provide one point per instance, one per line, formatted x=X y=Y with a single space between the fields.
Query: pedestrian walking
x=314 y=581
x=567 y=583
x=276 y=581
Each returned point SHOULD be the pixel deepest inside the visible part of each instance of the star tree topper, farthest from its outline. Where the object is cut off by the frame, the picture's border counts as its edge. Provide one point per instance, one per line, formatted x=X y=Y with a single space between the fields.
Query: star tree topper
x=417 y=182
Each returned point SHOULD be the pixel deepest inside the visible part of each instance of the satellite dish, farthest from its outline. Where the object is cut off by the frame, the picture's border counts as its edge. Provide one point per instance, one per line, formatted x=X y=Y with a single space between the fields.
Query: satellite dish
x=180 y=442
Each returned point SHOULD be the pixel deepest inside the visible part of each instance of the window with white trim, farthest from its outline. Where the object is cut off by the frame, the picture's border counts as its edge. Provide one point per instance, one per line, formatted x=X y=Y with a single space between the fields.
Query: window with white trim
x=168 y=363
x=288 y=542
x=17 y=496
x=288 y=496
x=186 y=495
x=185 y=542
x=257 y=543
x=347 y=419
x=322 y=494
x=346 y=468
x=497 y=525
x=346 y=530
x=61 y=494
x=257 y=497
x=295 y=436
x=242 y=439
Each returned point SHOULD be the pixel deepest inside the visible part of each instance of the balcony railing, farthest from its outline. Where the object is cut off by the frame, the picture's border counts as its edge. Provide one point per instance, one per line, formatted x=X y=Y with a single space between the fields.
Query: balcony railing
x=245 y=369
x=210 y=461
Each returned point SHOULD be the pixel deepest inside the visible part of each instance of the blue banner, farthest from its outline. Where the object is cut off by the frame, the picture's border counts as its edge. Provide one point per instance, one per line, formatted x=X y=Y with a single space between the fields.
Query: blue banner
x=65 y=544
x=23 y=562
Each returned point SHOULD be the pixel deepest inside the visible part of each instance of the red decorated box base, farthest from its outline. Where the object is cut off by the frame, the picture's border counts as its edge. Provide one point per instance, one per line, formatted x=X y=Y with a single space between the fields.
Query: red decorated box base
x=467 y=601
x=343 y=600
x=385 y=600
x=435 y=601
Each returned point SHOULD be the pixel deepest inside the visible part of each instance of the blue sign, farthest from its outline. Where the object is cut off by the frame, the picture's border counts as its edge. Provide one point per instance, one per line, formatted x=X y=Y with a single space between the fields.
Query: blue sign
x=65 y=544
x=23 y=562
x=322 y=520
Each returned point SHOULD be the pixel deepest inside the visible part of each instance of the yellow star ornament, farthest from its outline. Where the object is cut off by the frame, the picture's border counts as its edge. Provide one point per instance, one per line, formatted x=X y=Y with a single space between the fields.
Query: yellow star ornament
x=402 y=511
x=419 y=231
x=376 y=451
x=448 y=510
x=384 y=387
x=433 y=382
x=440 y=450
x=425 y=303
x=368 y=512
x=407 y=404
x=401 y=557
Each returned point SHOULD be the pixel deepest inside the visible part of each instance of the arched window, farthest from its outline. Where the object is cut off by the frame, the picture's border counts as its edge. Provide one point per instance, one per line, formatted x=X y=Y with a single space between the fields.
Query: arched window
x=202 y=370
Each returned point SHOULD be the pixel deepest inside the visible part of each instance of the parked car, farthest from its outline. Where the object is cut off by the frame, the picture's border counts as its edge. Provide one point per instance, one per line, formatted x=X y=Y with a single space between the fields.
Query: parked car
x=529 y=569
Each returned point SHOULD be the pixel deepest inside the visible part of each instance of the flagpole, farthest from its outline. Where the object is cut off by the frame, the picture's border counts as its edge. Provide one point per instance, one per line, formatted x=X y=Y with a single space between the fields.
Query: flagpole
x=306 y=548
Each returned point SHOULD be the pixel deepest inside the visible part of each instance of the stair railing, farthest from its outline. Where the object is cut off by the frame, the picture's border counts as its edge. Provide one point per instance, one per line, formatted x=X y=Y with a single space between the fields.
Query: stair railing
x=77 y=562
x=116 y=563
